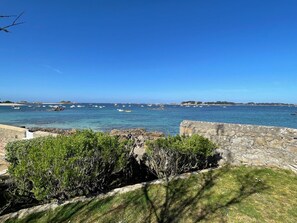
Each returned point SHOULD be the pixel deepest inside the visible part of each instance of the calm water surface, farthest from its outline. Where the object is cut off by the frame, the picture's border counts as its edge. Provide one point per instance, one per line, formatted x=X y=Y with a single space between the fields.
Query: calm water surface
x=167 y=120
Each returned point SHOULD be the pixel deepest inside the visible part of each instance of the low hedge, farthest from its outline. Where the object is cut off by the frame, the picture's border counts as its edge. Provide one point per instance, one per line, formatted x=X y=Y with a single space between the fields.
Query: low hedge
x=89 y=162
x=66 y=166
x=178 y=154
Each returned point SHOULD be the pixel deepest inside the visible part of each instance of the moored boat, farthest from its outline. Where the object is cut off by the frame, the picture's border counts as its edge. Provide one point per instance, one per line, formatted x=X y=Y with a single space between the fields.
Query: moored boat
x=58 y=108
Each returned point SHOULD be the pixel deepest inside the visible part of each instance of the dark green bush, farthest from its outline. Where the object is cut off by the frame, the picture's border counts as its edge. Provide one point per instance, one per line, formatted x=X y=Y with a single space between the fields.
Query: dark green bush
x=178 y=154
x=87 y=162
x=65 y=166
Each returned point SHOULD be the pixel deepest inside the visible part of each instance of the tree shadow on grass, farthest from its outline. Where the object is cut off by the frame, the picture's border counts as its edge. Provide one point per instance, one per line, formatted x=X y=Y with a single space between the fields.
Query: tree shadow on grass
x=180 y=200
x=193 y=199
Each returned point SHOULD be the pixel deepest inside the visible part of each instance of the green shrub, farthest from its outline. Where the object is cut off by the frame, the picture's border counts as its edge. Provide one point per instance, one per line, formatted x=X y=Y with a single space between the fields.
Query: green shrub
x=65 y=166
x=178 y=154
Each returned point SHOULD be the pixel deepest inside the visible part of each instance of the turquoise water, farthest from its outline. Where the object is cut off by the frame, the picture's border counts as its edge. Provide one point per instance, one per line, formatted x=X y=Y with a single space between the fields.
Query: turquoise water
x=151 y=118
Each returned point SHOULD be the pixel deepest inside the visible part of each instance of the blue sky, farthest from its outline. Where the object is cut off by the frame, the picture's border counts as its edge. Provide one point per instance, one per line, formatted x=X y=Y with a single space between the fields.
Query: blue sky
x=150 y=51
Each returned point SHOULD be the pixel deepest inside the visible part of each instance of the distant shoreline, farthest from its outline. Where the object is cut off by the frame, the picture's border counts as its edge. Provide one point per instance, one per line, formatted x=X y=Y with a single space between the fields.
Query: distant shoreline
x=225 y=103
x=251 y=105
x=182 y=104
x=11 y=104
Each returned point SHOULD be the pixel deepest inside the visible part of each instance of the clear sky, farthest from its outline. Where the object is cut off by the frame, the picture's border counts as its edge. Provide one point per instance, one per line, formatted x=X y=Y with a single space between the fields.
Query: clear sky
x=150 y=51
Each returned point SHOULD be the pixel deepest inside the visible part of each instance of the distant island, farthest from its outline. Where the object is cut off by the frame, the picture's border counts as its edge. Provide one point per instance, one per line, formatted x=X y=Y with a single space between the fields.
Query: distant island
x=226 y=103
x=66 y=102
x=7 y=102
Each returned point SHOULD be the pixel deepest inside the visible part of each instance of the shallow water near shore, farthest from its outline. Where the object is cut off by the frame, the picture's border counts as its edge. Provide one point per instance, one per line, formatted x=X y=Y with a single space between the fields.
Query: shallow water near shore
x=152 y=118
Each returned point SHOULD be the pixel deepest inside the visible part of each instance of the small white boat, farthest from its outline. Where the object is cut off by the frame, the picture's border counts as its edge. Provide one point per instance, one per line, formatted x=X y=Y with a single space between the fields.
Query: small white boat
x=72 y=106
x=16 y=108
x=128 y=111
x=120 y=110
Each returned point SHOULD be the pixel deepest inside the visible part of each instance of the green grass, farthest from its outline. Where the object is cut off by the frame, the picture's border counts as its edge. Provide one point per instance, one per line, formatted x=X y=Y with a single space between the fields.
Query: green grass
x=238 y=194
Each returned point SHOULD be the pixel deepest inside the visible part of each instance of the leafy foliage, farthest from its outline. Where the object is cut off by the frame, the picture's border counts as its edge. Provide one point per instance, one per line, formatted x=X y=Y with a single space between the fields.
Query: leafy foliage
x=65 y=166
x=87 y=162
x=178 y=154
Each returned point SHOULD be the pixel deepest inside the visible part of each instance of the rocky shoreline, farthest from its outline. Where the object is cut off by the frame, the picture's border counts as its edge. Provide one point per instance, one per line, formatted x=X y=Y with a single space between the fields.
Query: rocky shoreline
x=139 y=137
x=52 y=130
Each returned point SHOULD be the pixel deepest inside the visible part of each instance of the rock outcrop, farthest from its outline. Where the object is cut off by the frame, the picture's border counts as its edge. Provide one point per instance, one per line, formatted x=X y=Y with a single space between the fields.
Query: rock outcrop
x=139 y=137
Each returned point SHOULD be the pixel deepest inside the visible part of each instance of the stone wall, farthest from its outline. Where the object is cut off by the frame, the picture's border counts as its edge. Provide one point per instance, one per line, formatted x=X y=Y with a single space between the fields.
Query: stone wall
x=249 y=144
x=11 y=133
x=8 y=134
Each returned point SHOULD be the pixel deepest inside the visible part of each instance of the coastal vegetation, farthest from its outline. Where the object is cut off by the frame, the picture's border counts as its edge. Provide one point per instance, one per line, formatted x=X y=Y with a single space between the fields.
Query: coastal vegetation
x=178 y=154
x=87 y=162
x=66 y=166
x=237 y=194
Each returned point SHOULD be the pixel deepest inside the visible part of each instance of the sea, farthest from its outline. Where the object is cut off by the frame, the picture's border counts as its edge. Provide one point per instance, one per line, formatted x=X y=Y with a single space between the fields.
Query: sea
x=164 y=118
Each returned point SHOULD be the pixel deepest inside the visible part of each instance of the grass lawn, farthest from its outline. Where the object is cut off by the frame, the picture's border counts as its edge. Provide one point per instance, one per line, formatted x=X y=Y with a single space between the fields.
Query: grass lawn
x=237 y=194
